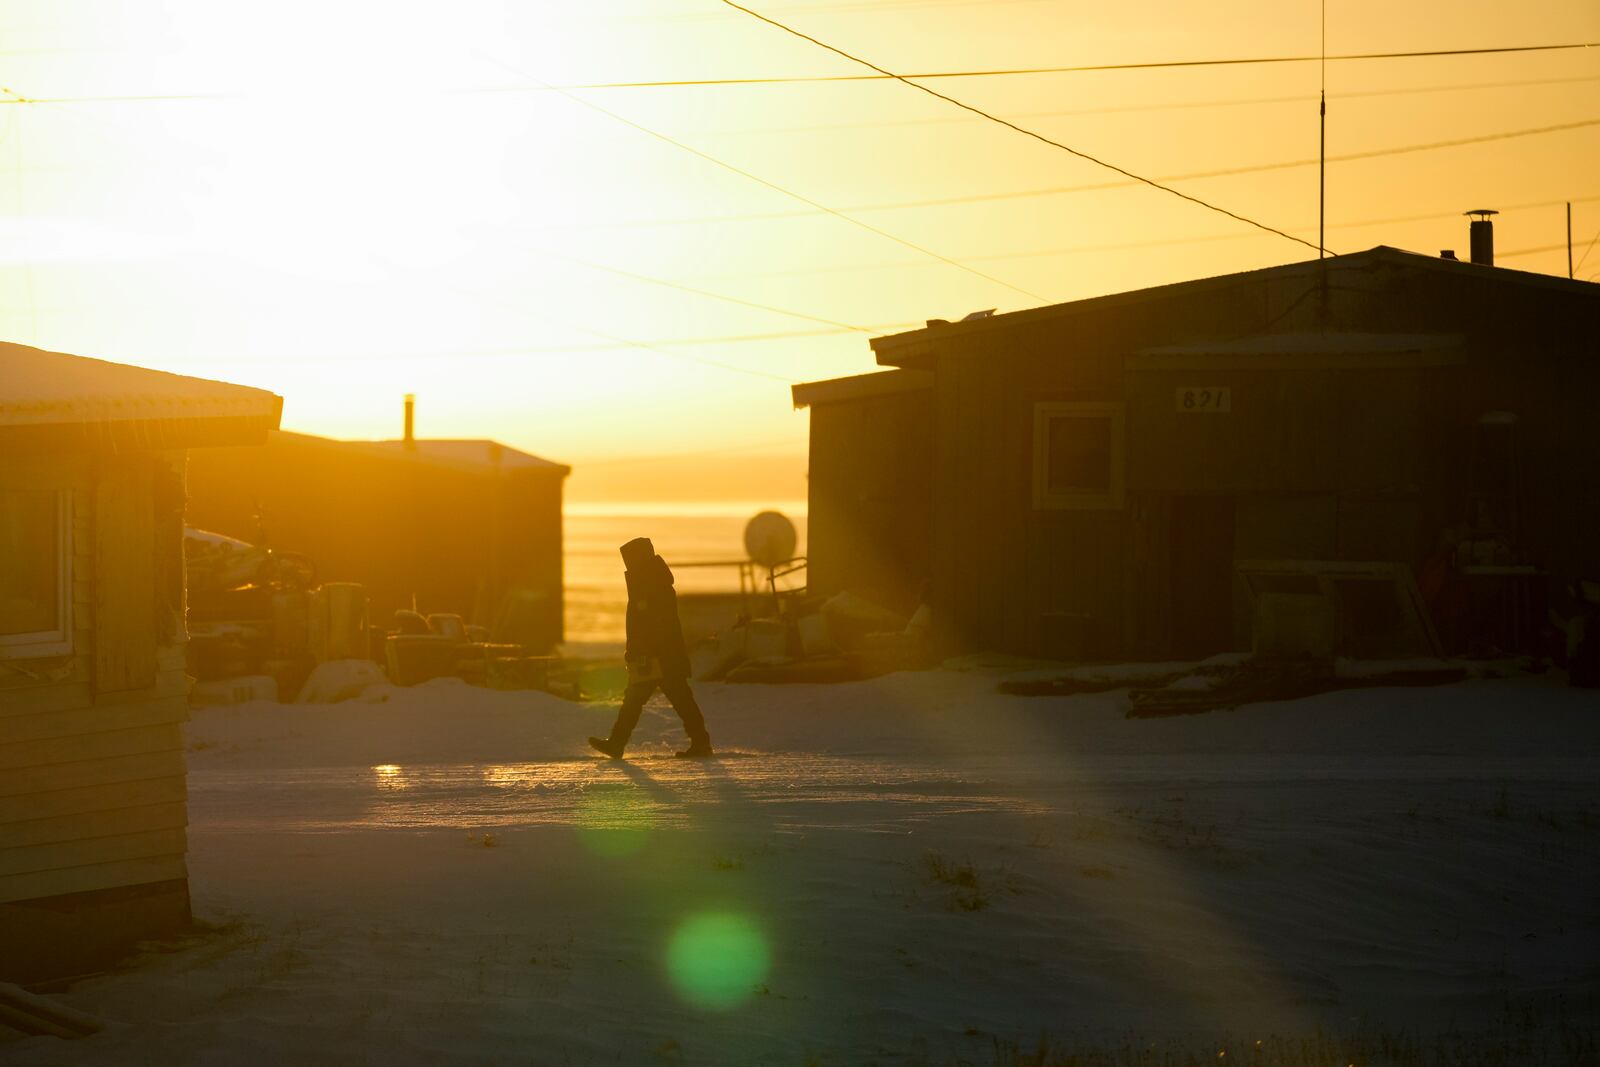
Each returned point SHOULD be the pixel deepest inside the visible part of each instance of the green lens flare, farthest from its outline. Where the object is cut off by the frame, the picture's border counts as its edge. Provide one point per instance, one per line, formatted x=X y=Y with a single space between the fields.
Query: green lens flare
x=614 y=821
x=715 y=960
x=600 y=682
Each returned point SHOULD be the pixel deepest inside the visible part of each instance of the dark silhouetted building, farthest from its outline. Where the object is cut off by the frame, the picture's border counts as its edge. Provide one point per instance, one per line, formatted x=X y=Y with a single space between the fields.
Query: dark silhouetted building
x=1081 y=479
x=468 y=527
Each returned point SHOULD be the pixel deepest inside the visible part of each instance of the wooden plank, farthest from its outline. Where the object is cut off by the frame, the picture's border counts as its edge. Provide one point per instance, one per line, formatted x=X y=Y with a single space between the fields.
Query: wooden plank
x=109 y=822
x=57 y=750
x=860 y=387
x=170 y=689
x=59 y=855
x=59 y=471
x=132 y=768
x=60 y=802
x=35 y=884
x=81 y=722
x=125 y=576
x=34 y=698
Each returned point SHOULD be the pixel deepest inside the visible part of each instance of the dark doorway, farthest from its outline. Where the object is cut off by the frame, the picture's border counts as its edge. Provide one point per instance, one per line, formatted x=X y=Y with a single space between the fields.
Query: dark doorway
x=1202 y=575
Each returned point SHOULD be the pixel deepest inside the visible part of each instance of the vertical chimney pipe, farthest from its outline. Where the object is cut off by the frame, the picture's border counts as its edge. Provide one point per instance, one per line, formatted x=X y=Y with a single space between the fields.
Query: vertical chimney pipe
x=411 y=407
x=1482 y=235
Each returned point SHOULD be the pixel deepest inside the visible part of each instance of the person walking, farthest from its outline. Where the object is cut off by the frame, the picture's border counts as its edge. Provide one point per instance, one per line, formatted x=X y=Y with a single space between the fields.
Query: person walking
x=655 y=653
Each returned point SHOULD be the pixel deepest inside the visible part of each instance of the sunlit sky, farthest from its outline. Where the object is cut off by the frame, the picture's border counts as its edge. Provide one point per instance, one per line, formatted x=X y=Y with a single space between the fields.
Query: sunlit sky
x=344 y=202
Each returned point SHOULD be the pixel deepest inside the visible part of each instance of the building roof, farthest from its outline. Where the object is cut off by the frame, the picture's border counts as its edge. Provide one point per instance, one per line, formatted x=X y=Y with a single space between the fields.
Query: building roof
x=860 y=386
x=912 y=346
x=475 y=455
x=43 y=391
x=1307 y=349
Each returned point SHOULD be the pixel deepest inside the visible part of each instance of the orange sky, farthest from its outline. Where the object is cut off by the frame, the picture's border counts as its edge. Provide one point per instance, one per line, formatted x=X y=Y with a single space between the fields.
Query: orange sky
x=349 y=201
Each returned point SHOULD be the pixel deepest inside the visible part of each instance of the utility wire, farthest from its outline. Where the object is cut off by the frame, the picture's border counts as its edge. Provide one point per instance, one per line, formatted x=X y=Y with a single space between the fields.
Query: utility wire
x=780 y=189
x=1586 y=251
x=982 y=198
x=1121 y=246
x=1224 y=172
x=1027 y=132
x=543 y=87
x=523 y=350
x=665 y=283
x=623 y=341
x=1166 y=105
x=1529 y=251
x=16 y=98
x=1011 y=72
x=725 y=450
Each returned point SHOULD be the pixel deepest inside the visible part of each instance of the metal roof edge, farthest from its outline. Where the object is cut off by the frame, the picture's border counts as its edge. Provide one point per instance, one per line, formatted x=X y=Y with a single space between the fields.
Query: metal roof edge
x=860 y=386
x=913 y=346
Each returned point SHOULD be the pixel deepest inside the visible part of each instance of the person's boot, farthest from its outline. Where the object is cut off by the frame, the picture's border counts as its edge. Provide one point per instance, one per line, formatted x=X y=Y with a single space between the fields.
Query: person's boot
x=699 y=748
x=606 y=746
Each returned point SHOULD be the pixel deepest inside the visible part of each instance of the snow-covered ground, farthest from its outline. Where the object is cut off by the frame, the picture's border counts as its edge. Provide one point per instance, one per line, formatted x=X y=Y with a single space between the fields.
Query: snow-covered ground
x=910 y=869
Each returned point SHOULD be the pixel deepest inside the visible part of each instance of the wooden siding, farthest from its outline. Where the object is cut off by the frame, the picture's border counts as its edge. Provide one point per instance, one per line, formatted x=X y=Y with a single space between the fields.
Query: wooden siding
x=1009 y=575
x=870 y=493
x=1356 y=463
x=125 y=575
x=92 y=789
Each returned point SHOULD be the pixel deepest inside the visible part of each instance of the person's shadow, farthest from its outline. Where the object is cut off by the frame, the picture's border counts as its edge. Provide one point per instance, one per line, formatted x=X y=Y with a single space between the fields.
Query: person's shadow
x=659 y=791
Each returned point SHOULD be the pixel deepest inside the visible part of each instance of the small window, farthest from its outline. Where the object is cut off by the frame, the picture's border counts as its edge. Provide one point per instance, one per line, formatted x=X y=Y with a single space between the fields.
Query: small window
x=1077 y=455
x=35 y=573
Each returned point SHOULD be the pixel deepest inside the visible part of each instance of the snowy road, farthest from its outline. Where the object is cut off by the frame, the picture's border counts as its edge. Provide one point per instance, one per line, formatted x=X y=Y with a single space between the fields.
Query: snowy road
x=924 y=871
x=662 y=791
x=800 y=790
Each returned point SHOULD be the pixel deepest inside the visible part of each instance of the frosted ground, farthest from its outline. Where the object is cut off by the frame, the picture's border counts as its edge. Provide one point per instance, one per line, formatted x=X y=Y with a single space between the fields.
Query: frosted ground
x=913 y=869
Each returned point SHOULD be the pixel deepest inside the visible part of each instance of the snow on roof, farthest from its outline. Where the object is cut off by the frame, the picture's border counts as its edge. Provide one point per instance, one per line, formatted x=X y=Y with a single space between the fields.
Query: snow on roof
x=859 y=386
x=473 y=454
x=1341 y=343
x=40 y=388
x=468 y=452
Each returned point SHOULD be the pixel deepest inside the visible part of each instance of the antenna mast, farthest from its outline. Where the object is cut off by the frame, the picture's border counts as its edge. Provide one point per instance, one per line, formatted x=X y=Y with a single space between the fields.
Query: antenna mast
x=1322 y=142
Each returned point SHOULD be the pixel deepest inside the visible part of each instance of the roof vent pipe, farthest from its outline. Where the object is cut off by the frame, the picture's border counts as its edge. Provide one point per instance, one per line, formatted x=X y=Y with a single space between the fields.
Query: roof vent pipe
x=411 y=408
x=1483 y=236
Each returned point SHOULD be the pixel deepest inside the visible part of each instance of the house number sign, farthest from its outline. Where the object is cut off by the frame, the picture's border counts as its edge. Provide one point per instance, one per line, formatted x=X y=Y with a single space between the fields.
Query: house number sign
x=1205 y=400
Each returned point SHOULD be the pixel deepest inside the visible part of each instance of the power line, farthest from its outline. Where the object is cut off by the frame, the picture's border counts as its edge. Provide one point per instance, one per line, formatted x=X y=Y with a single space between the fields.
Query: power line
x=525 y=350
x=1027 y=132
x=1252 y=168
x=543 y=87
x=1586 y=251
x=979 y=198
x=1083 y=68
x=726 y=450
x=1166 y=105
x=665 y=283
x=1529 y=251
x=1120 y=246
x=135 y=99
x=623 y=341
x=781 y=189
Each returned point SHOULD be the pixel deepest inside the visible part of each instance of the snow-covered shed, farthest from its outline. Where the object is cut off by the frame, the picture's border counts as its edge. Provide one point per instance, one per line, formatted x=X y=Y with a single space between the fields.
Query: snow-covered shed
x=93 y=692
x=465 y=526
x=1083 y=479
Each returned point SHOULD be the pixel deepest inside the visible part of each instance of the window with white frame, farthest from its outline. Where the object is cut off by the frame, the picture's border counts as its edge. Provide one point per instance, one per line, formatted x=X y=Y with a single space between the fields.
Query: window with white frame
x=35 y=573
x=1077 y=455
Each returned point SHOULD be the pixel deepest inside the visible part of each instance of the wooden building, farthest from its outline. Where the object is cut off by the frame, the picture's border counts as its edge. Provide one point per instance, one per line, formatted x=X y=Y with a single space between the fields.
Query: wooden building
x=469 y=527
x=93 y=692
x=1081 y=479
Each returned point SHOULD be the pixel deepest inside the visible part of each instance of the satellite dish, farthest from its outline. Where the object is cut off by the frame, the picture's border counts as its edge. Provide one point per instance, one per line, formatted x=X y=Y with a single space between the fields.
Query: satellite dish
x=769 y=538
